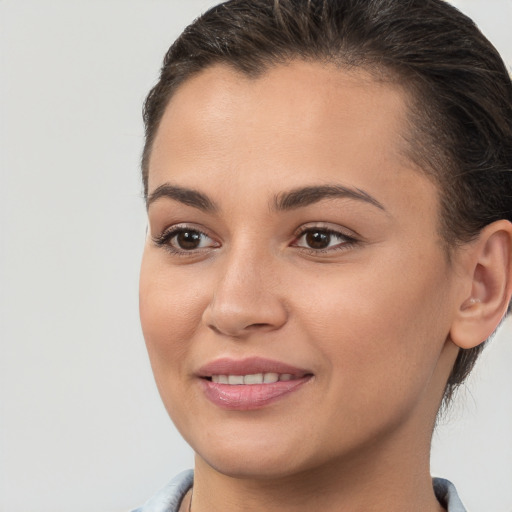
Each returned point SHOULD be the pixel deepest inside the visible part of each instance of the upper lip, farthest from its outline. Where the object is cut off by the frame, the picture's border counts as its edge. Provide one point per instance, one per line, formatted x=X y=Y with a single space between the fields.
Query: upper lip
x=248 y=366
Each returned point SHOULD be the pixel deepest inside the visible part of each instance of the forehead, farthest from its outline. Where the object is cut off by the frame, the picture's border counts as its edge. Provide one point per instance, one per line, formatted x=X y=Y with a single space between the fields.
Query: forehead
x=294 y=123
x=302 y=100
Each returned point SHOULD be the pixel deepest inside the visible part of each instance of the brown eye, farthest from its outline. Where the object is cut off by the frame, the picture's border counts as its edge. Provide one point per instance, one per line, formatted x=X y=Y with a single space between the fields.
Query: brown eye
x=317 y=239
x=184 y=239
x=322 y=240
x=187 y=240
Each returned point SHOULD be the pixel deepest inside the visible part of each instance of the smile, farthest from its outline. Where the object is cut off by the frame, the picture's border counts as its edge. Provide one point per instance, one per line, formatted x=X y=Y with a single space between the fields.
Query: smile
x=250 y=383
x=251 y=379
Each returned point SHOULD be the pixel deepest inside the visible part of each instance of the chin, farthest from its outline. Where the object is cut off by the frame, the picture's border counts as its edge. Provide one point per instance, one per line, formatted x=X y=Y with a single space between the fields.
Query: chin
x=255 y=466
x=255 y=456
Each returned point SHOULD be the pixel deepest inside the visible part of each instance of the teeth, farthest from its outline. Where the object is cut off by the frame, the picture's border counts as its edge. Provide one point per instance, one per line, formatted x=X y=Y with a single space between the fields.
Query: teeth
x=235 y=379
x=270 y=377
x=221 y=379
x=255 y=378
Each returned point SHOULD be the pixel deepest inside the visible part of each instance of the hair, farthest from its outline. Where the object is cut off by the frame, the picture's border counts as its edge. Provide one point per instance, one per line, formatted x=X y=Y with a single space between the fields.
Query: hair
x=460 y=106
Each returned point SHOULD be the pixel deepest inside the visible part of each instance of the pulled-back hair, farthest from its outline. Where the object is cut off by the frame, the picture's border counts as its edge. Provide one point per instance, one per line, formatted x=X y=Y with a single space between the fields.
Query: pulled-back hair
x=460 y=107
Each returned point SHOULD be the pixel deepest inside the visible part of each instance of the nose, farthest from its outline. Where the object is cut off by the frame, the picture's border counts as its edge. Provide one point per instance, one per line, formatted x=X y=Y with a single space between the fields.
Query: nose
x=247 y=298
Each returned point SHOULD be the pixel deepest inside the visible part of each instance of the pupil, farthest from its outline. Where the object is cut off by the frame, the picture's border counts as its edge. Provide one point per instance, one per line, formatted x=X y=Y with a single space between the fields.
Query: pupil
x=189 y=239
x=318 y=239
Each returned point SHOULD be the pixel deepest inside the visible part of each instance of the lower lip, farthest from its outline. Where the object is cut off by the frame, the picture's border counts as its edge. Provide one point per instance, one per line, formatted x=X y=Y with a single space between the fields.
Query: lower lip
x=249 y=396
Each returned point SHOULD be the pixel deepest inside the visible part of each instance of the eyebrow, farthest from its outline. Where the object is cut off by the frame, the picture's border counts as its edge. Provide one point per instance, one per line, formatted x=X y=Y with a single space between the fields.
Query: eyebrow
x=296 y=198
x=305 y=196
x=187 y=196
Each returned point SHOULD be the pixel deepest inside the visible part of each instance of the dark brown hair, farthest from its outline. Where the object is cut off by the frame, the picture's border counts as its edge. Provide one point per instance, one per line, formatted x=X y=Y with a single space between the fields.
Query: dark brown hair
x=461 y=108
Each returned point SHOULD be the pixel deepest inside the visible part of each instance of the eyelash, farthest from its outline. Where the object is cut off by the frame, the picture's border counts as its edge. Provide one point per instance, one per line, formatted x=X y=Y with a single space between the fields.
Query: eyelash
x=164 y=240
x=348 y=241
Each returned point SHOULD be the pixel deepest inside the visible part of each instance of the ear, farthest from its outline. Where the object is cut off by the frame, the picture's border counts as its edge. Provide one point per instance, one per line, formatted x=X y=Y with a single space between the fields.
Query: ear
x=488 y=287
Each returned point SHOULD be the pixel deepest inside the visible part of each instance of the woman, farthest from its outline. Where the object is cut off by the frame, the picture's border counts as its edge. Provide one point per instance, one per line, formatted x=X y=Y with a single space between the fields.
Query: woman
x=329 y=199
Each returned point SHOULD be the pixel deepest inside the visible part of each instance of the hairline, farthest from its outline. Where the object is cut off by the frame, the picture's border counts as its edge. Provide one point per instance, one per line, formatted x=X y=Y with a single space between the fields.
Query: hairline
x=411 y=87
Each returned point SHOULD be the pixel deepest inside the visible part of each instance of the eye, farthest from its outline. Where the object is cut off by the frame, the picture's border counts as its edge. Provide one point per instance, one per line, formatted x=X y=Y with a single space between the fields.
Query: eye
x=322 y=239
x=189 y=240
x=184 y=239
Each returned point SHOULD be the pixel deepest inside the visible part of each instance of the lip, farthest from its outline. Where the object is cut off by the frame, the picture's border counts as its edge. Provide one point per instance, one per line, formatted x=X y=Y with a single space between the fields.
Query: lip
x=249 y=396
x=250 y=365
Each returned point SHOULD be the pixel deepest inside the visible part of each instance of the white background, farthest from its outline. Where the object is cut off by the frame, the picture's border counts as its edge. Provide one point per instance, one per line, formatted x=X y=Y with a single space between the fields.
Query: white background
x=81 y=425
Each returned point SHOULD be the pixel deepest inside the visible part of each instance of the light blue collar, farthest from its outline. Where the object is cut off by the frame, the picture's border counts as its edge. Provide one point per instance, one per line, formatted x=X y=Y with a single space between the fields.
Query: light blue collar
x=168 y=498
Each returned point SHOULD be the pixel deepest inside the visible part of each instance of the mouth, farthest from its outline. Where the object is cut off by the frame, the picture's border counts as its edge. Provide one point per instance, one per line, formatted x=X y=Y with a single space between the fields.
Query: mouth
x=250 y=383
x=252 y=378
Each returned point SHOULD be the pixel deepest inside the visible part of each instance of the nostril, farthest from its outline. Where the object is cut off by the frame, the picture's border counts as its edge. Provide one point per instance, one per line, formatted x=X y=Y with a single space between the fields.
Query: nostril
x=215 y=329
x=240 y=331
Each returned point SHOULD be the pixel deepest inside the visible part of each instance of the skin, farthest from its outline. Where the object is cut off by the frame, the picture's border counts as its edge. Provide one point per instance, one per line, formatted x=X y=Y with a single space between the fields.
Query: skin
x=371 y=319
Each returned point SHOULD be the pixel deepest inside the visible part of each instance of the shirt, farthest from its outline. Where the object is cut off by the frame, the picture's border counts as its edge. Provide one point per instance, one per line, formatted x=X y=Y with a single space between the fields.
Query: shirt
x=168 y=499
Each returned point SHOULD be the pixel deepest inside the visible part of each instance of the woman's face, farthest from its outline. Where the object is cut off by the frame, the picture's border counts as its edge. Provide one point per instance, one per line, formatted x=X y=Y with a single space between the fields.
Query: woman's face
x=290 y=238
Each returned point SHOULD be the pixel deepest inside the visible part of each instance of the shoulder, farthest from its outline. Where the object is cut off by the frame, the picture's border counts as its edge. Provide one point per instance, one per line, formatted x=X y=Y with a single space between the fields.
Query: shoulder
x=169 y=497
x=447 y=495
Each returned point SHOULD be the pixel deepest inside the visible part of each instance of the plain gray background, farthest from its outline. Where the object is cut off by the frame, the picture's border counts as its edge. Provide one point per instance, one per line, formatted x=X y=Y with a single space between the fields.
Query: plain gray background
x=81 y=425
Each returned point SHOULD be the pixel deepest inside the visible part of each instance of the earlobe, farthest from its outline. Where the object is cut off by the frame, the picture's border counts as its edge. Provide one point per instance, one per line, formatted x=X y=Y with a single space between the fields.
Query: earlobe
x=489 y=287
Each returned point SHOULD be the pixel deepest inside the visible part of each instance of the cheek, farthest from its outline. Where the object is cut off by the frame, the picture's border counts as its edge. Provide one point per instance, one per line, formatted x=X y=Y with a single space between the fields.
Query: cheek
x=171 y=305
x=374 y=326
